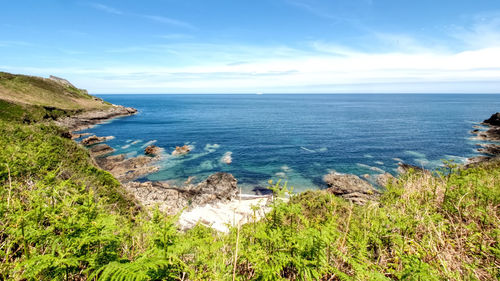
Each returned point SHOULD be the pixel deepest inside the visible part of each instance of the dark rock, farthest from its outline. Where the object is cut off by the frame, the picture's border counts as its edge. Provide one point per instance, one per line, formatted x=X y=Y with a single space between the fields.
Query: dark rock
x=100 y=150
x=493 y=120
x=262 y=191
x=351 y=187
x=67 y=135
x=152 y=150
x=491 y=149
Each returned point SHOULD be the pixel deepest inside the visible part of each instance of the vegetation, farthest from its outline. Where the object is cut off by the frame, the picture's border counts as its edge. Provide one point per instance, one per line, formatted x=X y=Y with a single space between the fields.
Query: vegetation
x=63 y=219
x=43 y=92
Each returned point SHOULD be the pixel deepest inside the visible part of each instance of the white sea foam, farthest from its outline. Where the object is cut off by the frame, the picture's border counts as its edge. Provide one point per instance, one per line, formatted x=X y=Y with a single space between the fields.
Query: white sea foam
x=307 y=149
x=211 y=147
x=136 y=142
x=280 y=174
x=285 y=168
x=148 y=143
x=397 y=159
x=379 y=162
x=227 y=158
x=207 y=165
x=416 y=154
x=323 y=149
x=126 y=146
x=368 y=156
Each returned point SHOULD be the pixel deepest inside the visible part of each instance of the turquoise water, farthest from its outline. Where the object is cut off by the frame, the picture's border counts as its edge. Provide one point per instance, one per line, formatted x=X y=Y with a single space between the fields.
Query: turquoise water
x=297 y=138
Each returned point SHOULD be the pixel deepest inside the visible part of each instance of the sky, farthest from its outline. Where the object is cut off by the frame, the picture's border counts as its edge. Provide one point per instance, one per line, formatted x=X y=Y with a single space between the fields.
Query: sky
x=256 y=46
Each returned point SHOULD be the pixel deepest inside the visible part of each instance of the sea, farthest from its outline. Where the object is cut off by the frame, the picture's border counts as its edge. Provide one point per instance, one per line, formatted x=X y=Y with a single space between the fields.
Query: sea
x=297 y=138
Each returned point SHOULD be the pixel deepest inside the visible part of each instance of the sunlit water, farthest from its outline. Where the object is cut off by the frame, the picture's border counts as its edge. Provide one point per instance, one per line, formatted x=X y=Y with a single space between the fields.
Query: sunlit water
x=297 y=138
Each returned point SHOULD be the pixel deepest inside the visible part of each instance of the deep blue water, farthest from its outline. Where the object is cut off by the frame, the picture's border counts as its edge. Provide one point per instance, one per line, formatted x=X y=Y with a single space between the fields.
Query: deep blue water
x=298 y=138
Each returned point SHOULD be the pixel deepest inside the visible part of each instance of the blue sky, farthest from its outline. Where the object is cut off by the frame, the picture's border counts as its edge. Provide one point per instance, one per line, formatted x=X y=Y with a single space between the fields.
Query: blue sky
x=274 y=46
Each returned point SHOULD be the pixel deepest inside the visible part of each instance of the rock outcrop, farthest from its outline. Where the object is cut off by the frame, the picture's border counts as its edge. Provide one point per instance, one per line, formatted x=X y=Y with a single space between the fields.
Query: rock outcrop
x=100 y=150
x=129 y=169
x=494 y=120
x=152 y=150
x=181 y=150
x=491 y=134
x=219 y=187
x=88 y=119
x=351 y=187
x=95 y=140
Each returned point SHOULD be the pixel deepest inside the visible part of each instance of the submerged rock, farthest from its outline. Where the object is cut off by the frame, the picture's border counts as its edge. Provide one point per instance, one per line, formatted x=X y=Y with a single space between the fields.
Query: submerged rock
x=351 y=187
x=181 y=150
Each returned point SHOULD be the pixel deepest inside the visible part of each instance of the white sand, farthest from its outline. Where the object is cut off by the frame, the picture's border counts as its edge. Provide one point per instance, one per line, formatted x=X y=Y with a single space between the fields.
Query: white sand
x=222 y=216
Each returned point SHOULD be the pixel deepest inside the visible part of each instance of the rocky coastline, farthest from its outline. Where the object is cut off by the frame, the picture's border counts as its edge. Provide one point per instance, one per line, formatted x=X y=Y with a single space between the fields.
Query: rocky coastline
x=489 y=131
x=216 y=200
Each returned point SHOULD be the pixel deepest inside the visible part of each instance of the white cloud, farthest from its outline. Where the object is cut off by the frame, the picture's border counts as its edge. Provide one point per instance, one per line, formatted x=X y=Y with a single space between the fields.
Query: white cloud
x=105 y=8
x=170 y=21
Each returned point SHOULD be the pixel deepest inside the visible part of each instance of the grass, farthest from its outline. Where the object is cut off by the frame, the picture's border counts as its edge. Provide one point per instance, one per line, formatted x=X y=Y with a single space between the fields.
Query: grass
x=23 y=89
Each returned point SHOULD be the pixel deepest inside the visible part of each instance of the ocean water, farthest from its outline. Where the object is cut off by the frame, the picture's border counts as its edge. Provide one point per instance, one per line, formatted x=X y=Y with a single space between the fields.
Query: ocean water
x=297 y=138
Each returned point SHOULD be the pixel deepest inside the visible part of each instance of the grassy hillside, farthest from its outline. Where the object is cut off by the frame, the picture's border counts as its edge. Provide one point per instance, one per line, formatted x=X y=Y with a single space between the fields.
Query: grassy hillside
x=61 y=218
x=44 y=92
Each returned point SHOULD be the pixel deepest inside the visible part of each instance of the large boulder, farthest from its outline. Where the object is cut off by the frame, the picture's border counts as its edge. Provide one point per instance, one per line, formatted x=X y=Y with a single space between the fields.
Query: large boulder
x=494 y=120
x=351 y=187
x=217 y=187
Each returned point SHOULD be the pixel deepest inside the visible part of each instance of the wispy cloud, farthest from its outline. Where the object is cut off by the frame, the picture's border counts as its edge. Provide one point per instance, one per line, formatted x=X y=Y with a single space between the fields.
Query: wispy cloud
x=170 y=21
x=175 y=36
x=105 y=8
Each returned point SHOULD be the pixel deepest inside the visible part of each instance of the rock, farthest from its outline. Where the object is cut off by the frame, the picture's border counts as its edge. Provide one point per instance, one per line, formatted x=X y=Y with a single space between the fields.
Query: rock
x=88 y=119
x=384 y=179
x=405 y=168
x=181 y=150
x=494 y=120
x=219 y=187
x=351 y=187
x=490 y=149
x=127 y=169
x=473 y=161
x=95 y=139
x=61 y=81
x=100 y=150
x=152 y=150
x=366 y=176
